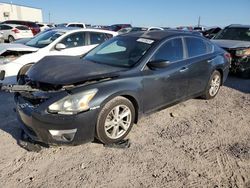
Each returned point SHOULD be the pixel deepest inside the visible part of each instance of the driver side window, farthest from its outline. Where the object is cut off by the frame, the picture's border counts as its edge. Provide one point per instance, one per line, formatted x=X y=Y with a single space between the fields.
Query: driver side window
x=74 y=40
x=171 y=51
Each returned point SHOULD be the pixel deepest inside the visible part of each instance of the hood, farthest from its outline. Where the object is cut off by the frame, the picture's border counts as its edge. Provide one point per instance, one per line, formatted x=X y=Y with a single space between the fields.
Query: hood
x=16 y=47
x=232 y=44
x=67 y=70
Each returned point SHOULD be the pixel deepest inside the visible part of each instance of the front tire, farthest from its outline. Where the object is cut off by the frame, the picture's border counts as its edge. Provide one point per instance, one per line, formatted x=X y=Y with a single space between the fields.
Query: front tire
x=213 y=86
x=115 y=120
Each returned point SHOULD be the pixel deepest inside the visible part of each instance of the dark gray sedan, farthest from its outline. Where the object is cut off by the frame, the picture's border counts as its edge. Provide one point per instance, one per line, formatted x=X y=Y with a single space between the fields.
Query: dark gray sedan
x=71 y=100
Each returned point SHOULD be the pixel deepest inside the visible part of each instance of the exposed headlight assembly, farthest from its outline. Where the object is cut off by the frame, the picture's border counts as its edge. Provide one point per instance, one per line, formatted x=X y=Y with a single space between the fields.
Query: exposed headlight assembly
x=73 y=104
x=243 y=52
x=5 y=60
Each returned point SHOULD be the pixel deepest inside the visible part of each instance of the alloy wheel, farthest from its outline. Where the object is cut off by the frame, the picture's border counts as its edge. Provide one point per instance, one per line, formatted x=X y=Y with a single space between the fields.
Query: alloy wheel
x=118 y=121
x=215 y=85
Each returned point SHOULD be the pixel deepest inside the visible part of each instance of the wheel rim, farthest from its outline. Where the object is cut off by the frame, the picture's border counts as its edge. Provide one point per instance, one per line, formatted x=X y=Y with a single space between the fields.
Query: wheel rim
x=11 y=39
x=214 y=85
x=118 y=121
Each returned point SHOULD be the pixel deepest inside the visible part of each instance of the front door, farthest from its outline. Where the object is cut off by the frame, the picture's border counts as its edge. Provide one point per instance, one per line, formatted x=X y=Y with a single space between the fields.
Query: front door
x=167 y=85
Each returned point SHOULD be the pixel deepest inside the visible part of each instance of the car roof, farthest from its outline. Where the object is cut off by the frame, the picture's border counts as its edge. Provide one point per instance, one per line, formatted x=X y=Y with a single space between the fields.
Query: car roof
x=13 y=25
x=160 y=34
x=239 y=25
x=74 y=29
x=21 y=21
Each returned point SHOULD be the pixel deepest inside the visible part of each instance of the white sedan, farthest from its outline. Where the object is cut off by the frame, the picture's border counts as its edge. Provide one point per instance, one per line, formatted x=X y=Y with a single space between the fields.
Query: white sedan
x=63 y=41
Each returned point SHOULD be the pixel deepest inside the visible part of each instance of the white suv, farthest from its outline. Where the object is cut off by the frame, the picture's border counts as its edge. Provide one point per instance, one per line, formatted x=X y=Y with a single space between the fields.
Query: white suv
x=72 y=24
x=12 y=32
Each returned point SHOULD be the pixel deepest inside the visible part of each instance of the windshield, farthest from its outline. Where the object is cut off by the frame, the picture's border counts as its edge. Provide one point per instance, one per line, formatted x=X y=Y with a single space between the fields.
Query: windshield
x=44 y=39
x=120 y=51
x=234 y=33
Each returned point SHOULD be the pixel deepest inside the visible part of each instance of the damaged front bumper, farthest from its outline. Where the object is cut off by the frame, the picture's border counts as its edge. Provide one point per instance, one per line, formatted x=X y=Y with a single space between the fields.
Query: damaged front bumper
x=44 y=127
x=54 y=129
x=241 y=65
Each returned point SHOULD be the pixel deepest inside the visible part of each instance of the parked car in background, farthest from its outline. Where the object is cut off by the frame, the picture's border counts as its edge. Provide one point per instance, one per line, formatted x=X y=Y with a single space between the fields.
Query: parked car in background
x=199 y=28
x=12 y=32
x=44 y=26
x=31 y=25
x=71 y=100
x=211 y=32
x=185 y=28
x=72 y=24
x=131 y=29
x=1 y=37
x=99 y=26
x=155 y=29
x=117 y=27
x=58 y=41
x=236 y=40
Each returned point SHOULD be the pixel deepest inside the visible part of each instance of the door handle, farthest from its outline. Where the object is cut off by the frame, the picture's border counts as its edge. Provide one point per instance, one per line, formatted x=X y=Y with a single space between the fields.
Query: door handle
x=183 y=69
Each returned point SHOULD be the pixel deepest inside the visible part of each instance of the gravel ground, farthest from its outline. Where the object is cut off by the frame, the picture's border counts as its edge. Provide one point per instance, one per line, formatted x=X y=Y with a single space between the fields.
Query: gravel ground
x=197 y=143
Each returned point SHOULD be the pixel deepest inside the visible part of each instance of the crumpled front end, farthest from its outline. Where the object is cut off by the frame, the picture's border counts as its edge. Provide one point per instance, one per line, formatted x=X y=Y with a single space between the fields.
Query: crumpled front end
x=54 y=129
x=240 y=64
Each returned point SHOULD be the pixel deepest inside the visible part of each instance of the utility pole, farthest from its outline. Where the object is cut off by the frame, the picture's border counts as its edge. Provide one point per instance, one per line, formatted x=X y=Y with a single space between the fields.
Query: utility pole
x=49 y=17
x=199 y=21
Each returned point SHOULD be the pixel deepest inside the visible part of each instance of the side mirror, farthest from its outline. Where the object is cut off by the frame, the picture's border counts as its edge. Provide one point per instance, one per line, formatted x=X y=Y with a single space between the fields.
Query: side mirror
x=157 y=64
x=60 y=46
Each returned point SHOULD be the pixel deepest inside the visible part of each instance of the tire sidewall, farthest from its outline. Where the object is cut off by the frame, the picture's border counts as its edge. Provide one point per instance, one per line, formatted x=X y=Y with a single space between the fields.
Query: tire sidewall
x=11 y=37
x=100 y=129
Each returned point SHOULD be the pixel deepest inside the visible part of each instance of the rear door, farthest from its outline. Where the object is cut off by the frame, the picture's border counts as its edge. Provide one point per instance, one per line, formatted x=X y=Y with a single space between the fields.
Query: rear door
x=166 y=85
x=200 y=56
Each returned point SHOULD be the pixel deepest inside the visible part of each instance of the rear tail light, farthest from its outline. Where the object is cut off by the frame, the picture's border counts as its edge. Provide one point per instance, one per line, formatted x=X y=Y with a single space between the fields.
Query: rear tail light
x=228 y=57
x=15 y=30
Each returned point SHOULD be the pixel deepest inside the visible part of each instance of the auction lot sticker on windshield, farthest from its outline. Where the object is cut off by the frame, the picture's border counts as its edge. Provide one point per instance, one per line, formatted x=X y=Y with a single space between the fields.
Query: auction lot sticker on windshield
x=147 y=41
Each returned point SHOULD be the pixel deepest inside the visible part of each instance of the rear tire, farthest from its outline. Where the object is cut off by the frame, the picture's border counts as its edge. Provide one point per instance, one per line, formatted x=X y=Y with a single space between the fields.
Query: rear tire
x=115 y=120
x=213 y=86
x=11 y=39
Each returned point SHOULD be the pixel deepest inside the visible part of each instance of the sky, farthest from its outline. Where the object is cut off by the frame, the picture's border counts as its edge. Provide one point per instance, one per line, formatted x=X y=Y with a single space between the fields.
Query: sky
x=165 y=13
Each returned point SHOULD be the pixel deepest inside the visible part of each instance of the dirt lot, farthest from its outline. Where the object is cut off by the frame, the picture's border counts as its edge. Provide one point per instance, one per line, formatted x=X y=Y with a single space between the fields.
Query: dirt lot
x=197 y=143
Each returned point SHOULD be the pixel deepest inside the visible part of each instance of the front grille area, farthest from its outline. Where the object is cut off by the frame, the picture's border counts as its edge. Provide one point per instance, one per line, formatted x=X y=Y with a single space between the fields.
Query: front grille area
x=32 y=98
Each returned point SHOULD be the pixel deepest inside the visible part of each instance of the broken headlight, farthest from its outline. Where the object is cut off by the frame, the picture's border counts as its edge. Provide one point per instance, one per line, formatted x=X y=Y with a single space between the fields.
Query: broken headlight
x=73 y=104
x=243 y=52
x=5 y=60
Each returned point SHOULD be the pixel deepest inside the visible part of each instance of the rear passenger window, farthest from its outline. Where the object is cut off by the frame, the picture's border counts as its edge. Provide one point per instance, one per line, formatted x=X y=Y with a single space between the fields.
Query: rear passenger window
x=196 y=47
x=74 y=40
x=6 y=27
x=79 y=25
x=171 y=51
x=97 y=38
x=22 y=28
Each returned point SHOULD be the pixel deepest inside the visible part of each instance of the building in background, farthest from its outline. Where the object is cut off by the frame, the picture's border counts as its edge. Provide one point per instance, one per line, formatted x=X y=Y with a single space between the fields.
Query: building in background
x=9 y=11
